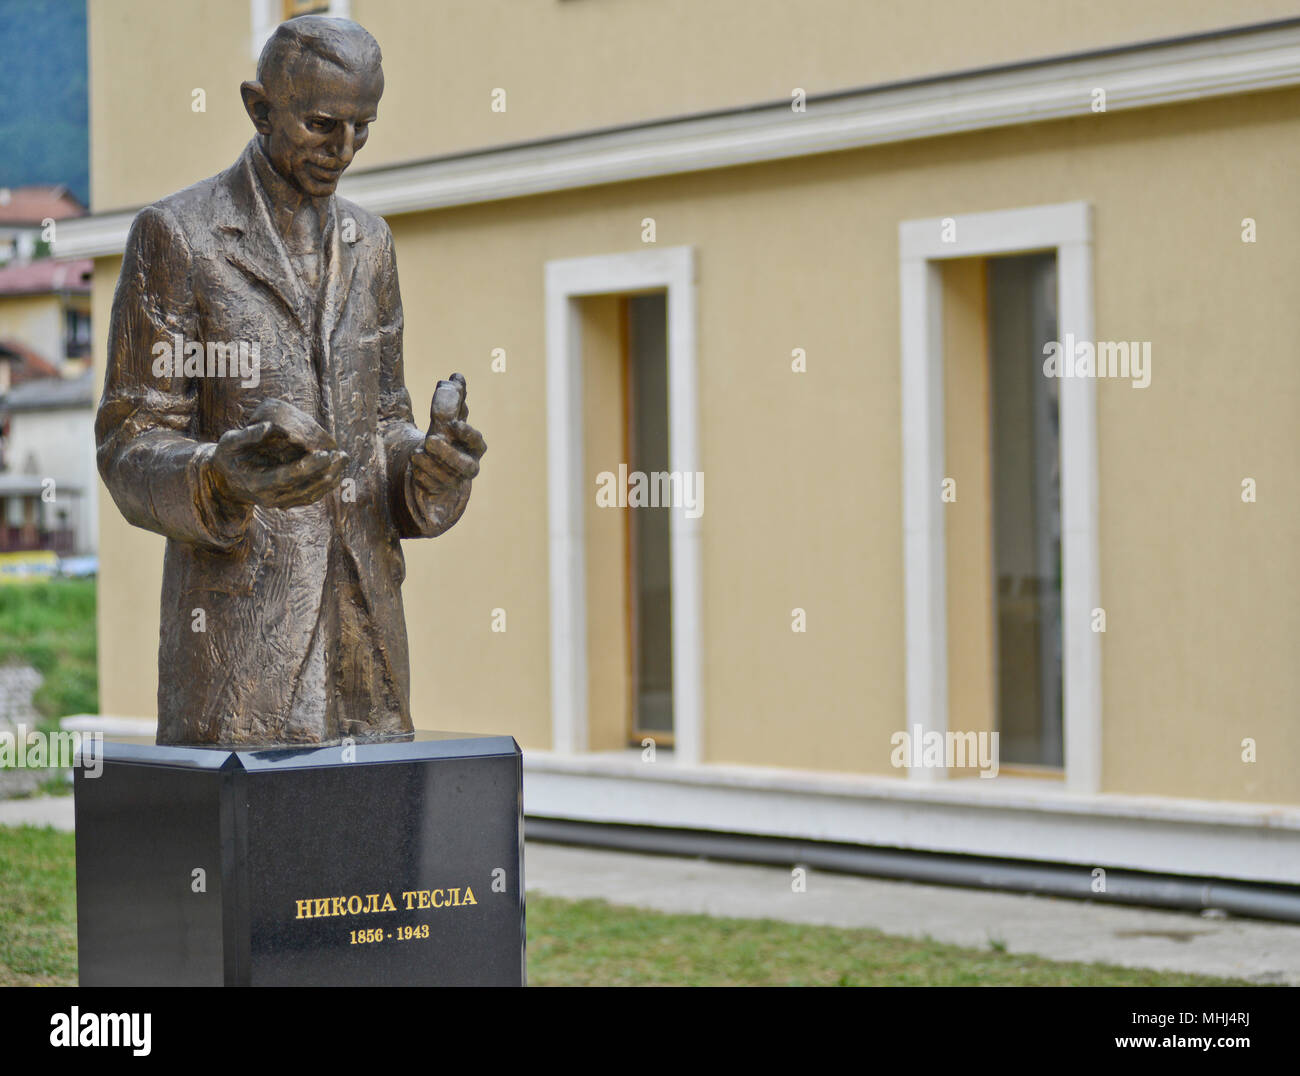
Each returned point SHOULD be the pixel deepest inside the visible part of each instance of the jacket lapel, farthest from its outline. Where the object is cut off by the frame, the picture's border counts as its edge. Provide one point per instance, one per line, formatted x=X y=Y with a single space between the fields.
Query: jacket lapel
x=341 y=265
x=252 y=244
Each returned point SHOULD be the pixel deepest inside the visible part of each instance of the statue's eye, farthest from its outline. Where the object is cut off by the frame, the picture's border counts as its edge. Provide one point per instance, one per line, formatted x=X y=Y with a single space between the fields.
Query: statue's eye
x=320 y=124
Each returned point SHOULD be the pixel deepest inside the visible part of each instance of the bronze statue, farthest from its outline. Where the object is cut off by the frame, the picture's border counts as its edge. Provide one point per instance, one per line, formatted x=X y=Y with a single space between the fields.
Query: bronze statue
x=255 y=413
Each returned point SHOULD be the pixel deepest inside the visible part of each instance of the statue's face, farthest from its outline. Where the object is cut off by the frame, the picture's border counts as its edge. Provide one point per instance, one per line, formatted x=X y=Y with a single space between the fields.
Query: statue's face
x=319 y=118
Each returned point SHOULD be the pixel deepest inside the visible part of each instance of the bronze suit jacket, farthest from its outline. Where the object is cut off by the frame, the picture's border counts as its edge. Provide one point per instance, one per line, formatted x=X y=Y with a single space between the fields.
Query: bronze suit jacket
x=247 y=593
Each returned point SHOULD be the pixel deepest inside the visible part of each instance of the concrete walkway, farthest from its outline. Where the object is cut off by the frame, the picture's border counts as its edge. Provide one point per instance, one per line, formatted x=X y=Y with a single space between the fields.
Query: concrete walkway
x=53 y=811
x=17 y=685
x=1056 y=929
x=1045 y=926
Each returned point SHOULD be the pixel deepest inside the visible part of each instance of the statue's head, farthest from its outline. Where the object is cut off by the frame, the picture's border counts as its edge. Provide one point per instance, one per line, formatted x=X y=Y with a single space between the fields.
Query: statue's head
x=317 y=91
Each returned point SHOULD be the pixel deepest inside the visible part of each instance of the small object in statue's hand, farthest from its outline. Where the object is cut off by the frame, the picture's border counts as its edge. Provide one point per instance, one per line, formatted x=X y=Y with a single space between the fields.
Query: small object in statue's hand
x=448 y=403
x=292 y=435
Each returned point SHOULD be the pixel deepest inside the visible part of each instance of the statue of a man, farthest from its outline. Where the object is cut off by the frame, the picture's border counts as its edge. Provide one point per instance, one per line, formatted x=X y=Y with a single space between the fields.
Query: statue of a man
x=255 y=413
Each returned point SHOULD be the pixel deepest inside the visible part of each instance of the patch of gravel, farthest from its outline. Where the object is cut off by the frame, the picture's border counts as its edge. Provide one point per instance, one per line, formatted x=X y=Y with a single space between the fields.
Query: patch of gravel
x=17 y=685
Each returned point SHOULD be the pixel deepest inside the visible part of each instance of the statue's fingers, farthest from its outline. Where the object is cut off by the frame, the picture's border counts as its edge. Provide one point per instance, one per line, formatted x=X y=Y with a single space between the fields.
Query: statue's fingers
x=247 y=435
x=294 y=424
x=463 y=414
x=461 y=464
x=310 y=436
x=293 y=476
x=329 y=478
x=429 y=474
x=314 y=486
x=467 y=438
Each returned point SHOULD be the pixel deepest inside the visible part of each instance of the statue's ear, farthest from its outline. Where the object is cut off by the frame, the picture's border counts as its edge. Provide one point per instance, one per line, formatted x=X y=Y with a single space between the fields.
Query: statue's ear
x=257 y=105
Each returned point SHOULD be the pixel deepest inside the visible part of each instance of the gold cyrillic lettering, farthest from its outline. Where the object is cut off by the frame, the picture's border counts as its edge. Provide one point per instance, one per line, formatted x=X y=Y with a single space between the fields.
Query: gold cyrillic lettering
x=370 y=903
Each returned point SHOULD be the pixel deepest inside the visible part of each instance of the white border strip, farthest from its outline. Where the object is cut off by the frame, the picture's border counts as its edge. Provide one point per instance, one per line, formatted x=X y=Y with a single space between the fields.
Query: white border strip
x=672 y=268
x=1137 y=78
x=1067 y=229
x=1029 y=820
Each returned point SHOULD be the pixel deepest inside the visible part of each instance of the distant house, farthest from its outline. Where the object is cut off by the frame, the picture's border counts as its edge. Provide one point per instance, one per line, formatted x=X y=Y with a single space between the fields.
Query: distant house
x=48 y=489
x=45 y=307
x=47 y=461
x=24 y=214
x=19 y=363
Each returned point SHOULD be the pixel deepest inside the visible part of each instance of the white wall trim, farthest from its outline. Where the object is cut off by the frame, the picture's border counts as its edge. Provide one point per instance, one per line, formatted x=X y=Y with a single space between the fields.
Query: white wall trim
x=1067 y=229
x=566 y=280
x=1140 y=77
x=265 y=16
x=1023 y=819
x=925 y=573
x=110 y=725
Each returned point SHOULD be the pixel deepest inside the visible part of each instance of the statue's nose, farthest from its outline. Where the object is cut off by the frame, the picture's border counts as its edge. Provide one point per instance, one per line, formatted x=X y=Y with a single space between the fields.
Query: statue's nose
x=348 y=146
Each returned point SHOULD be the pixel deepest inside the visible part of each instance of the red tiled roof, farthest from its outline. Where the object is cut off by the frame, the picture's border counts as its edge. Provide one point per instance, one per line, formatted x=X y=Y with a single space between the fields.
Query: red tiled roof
x=31 y=205
x=46 y=275
x=27 y=364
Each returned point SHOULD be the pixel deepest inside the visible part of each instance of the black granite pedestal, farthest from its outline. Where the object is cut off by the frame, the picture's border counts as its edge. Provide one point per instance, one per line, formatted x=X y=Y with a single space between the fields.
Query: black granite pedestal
x=395 y=864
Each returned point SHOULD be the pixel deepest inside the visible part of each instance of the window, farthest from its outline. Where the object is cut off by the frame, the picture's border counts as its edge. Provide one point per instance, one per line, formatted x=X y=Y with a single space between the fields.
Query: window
x=621 y=389
x=1026 y=516
x=291 y=9
x=649 y=555
x=628 y=572
x=1018 y=487
x=268 y=14
x=76 y=333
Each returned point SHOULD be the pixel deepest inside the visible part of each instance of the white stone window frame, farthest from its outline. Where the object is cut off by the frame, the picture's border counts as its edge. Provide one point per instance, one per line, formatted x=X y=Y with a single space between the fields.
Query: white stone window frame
x=566 y=281
x=1065 y=229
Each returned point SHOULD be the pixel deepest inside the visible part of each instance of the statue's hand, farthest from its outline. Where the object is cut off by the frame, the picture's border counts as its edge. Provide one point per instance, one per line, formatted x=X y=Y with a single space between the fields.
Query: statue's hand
x=448 y=459
x=282 y=459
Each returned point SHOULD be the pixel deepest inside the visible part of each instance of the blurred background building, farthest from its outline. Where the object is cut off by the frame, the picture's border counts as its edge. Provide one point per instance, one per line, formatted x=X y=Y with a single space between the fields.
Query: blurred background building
x=814 y=253
x=48 y=482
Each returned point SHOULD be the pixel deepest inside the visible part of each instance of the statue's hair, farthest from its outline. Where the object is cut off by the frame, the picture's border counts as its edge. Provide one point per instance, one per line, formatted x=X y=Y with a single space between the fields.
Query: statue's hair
x=339 y=41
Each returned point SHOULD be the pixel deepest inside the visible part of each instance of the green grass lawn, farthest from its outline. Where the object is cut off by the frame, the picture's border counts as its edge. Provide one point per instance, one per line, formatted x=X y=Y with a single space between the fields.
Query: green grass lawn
x=38 y=907
x=51 y=626
x=588 y=943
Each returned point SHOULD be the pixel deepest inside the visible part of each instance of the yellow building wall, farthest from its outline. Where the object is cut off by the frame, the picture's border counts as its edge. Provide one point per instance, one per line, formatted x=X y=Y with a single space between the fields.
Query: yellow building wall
x=566 y=65
x=803 y=470
x=129 y=589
